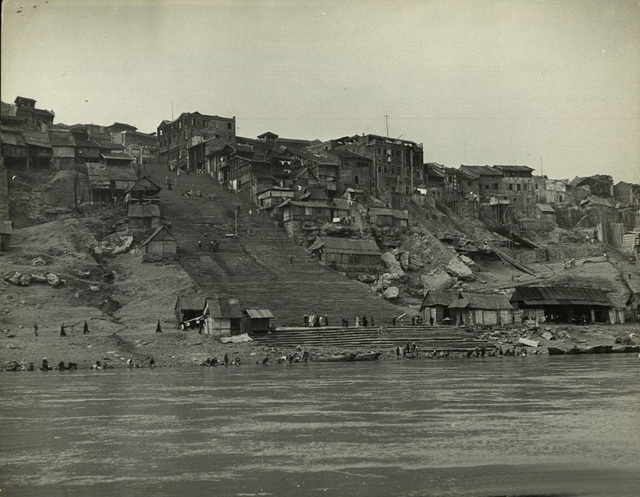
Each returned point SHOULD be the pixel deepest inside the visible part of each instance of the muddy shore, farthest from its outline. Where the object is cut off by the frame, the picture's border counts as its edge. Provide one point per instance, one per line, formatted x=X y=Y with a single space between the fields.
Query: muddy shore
x=184 y=349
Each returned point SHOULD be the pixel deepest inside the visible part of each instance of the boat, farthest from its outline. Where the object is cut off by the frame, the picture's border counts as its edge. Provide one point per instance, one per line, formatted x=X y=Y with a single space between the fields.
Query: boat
x=598 y=349
x=336 y=358
x=370 y=356
x=555 y=351
x=625 y=349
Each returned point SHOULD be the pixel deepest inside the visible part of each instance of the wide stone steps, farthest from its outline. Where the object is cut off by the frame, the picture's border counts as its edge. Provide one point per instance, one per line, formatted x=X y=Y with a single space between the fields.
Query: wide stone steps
x=254 y=265
x=426 y=339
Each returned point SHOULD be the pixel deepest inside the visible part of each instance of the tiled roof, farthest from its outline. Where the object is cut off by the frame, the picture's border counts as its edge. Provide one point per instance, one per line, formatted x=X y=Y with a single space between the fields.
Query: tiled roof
x=116 y=156
x=443 y=298
x=481 y=170
x=37 y=138
x=347 y=154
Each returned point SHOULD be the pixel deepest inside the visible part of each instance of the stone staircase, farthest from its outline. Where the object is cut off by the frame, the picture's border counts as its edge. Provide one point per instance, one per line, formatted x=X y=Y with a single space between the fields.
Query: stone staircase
x=426 y=338
x=254 y=266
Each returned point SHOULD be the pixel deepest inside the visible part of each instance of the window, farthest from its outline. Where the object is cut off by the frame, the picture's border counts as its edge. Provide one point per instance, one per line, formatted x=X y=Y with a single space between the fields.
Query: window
x=228 y=125
x=193 y=122
x=519 y=187
x=510 y=187
x=355 y=179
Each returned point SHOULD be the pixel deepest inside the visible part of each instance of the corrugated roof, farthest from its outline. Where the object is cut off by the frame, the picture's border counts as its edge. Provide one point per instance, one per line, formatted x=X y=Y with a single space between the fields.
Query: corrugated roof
x=346 y=245
x=260 y=313
x=560 y=296
x=481 y=301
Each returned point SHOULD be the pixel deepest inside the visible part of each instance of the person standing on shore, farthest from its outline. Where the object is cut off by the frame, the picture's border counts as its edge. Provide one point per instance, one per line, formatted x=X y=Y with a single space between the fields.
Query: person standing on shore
x=35 y=329
x=62 y=332
x=85 y=329
x=158 y=328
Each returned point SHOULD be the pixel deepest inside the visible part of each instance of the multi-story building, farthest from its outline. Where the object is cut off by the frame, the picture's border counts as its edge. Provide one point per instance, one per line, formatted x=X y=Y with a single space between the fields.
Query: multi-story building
x=518 y=186
x=36 y=119
x=175 y=137
x=142 y=146
x=550 y=191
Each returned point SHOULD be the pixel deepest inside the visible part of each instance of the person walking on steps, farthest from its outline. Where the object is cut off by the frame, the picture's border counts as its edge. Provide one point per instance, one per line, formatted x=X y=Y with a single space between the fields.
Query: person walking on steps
x=158 y=328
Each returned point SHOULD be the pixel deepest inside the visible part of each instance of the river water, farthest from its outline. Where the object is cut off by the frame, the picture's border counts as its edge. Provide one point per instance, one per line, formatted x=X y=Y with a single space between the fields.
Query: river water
x=494 y=427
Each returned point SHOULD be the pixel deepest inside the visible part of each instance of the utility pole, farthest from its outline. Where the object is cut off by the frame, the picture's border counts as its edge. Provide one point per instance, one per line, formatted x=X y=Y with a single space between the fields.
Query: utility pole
x=386 y=120
x=235 y=222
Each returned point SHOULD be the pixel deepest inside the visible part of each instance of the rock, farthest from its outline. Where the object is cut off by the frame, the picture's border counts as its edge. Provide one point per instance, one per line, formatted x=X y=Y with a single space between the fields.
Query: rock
x=391 y=293
x=437 y=280
x=196 y=343
x=114 y=244
x=467 y=260
x=415 y=263
x=12 y=277
x=38 y=277
x=94 y=288
x=459 y=269
x=39 y=261
x=404 y=261
x=25 y=280
x=547 y=335
x=528 y=342
x=83 y=274
x=366 y=278
x=391 y=263
x=11 y=346
x=53 y=279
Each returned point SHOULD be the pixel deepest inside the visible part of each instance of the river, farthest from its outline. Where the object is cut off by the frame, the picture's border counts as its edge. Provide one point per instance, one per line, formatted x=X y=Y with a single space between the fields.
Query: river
x=481 y=427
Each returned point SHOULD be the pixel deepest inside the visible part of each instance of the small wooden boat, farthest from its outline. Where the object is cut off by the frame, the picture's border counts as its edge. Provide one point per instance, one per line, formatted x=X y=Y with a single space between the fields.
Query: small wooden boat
x=371 y=356
x=336 y=358
x=625 y=349
x=555 y=351
x=598 y=349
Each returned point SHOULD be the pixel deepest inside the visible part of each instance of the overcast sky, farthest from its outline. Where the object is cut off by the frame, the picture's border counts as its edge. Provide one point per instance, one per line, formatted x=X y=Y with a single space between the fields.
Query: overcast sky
x=552 y=84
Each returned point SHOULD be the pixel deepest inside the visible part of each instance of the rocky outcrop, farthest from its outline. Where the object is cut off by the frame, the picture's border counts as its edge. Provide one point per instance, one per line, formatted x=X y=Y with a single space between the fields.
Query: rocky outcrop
x=19 y=279
x=459 y=269
x=437 y=280
x=114 y=244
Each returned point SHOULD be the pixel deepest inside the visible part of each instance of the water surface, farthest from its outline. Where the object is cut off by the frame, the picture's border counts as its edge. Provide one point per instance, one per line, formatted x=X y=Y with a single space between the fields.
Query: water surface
x=511 y=426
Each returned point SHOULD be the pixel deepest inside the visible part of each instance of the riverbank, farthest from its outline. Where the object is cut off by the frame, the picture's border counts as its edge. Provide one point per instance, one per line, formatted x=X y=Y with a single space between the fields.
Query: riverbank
x=173 y=348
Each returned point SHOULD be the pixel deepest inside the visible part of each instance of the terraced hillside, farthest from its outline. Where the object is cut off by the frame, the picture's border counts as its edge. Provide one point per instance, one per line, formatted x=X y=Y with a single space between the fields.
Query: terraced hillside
x=255 y=266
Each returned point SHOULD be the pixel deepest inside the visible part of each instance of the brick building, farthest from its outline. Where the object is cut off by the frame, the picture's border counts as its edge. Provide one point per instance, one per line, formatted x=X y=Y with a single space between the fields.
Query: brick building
x=175 y=137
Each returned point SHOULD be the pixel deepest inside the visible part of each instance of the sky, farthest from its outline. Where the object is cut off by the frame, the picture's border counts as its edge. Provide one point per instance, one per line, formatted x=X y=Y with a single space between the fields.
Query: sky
x=551 y=84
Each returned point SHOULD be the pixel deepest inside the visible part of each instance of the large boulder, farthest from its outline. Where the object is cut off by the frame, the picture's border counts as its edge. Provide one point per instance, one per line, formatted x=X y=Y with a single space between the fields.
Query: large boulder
x=459 y=269
x=392 y=264
x=114 y=244
x=437 y=280
x=391 y=293
x=53 y=279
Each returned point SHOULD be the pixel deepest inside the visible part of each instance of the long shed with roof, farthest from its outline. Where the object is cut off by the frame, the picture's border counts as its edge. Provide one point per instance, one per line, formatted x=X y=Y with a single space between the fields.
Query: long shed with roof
x=346 y=251
x=562 y=304
x=161 y=243
x=435 y=304
x=479 y=308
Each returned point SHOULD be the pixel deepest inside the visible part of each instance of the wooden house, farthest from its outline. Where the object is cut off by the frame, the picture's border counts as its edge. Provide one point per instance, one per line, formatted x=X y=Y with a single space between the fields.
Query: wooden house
x=346 y=251
x=189 y=307
x=256 y=320
x=383 y=216
x=161 y=243
x=143 y=190
x=222 y=317
x=480 y=308
x=435 y=304
x=143 y=217
x=109 y=183
x=561 y=304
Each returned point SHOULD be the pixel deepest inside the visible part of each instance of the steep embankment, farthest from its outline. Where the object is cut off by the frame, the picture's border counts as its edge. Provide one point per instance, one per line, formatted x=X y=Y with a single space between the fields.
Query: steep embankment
x=255 y=266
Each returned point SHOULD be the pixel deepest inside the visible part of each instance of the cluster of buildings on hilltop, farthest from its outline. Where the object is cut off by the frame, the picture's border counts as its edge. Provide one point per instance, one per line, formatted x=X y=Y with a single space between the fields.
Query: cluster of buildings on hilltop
x=309 y=180
x=32 y=141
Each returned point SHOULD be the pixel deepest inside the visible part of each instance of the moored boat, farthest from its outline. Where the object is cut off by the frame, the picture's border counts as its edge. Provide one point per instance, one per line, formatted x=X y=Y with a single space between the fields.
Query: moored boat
x=336 y=358
x=371 y=356
x=555 y=351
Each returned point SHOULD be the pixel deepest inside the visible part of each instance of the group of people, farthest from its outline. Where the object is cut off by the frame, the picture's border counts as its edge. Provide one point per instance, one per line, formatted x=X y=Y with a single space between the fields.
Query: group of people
x=359 y=321
x=409 y=351
x=63 y=329
x=225 y=361
x=213 y=244
x=315 y=320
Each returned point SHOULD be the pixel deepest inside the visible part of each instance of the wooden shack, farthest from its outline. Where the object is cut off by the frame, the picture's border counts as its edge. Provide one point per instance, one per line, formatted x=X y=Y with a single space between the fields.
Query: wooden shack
x=346 y=251
x=222 y=317
x=435 y=304
x=479 y=308
x=256 y=320
x=160 y=243
x=143 y=217
x=189 y=307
